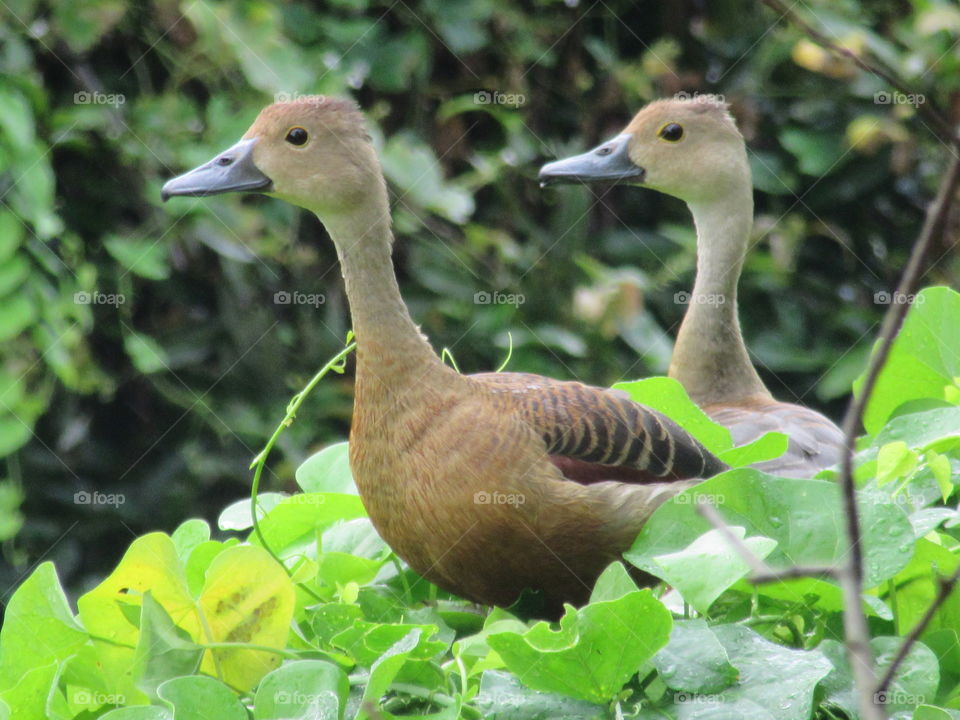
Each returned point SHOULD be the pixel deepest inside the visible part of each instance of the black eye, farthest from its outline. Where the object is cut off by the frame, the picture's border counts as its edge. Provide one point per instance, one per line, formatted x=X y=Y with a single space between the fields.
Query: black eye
x=671 y=132
x=297 y=136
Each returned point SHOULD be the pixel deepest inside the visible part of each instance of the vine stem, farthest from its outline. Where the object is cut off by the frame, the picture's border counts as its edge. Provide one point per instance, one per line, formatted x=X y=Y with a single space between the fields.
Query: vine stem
x=335 y=364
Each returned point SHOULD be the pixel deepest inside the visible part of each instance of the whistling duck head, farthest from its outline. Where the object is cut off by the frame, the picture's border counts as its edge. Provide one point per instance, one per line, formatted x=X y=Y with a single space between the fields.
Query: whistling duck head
x=688 y=148
x=313 y=152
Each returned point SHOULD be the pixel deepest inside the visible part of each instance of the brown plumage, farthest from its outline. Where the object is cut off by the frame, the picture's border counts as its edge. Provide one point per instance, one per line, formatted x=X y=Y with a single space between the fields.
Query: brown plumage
x=691 y=149
x=485 y=484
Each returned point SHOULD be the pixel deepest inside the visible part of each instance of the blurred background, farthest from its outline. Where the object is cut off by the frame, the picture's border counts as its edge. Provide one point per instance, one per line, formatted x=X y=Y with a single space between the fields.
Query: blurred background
x=147 y=351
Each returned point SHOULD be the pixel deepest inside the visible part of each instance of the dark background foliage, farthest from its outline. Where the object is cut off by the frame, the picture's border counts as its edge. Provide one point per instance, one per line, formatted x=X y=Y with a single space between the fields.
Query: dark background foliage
x=165 y=397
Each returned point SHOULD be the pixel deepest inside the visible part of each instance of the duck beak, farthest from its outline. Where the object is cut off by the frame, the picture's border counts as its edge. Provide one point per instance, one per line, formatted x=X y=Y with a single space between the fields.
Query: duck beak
x=609 y=162
x=231 y=171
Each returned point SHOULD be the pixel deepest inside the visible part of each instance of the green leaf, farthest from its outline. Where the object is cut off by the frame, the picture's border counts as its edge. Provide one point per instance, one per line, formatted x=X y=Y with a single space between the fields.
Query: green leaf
x=596 y=650
x=199 y=697
x=930 y=712
x=138 y=712
x=709 y=565
x=768 y=446
x=237 y=515
x=16 y=121
x=250 y=34
x=188 y=535
x=147 y=355
x=924 y=360
x=29 y=696
x=774 y=681
x=302 y=689
x=503 y=697
x=614 y=582
x=328 y=471
x=669 y=397
x=385 y=669
x=146 y=257
x=803 y=516
x=915 y=682
x=412 y=166
x=694 y=660
x=895 y=460
x=13 y=273
x=82 y=25
x=150 y=564
x=367 y=641
x=817 y=152
x=164 y=651
x=940 y=467
x=291 y=527
x=17 y=312
x=917 y=586
x=248 y=598
x=938 y=428
x=38 y=628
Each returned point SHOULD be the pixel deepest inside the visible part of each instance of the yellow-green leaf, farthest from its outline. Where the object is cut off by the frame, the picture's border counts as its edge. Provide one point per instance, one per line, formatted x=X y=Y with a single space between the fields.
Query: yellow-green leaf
x=247 y=598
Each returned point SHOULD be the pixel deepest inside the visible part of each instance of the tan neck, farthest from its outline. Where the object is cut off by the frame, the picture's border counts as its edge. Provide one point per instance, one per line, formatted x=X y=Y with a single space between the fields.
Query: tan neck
x=710 y=359
x=390 y=346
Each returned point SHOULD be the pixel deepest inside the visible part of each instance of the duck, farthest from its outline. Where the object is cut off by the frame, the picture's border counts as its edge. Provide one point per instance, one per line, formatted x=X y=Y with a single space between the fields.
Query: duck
x=690 y=148
x=486 y=485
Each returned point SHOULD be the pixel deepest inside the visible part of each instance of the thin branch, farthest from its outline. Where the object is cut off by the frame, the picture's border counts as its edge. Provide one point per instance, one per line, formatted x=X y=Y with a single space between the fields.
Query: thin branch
x=856 y=632
x=762 y=573
x=944 y=129
x=855 y=622
x=819 y=572
x=946 y=587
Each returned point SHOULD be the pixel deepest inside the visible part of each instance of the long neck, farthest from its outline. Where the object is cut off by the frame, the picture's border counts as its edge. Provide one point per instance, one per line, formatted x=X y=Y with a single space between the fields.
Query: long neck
x=390 y=346
x=710 y=359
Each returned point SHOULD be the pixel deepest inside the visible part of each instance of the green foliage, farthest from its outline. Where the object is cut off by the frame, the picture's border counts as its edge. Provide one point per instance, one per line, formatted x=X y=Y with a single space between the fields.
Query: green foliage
x=144 y=357
x=186 y=626
x=143 y=353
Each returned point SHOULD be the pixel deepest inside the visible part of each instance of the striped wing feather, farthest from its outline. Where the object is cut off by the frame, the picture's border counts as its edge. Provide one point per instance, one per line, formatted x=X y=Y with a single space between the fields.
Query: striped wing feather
x=595 y=434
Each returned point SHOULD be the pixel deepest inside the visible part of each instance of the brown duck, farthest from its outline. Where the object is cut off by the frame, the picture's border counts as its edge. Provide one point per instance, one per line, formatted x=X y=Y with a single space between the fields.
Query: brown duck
x=692 y=149
x=484 y=484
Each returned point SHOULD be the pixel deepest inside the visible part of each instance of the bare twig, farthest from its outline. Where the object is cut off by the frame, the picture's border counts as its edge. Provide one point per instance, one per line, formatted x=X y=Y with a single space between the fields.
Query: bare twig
x=762 y=573
x=943 y=592
x=850 y=575
x=944 y=129
x=819 y=572
x=851 y=578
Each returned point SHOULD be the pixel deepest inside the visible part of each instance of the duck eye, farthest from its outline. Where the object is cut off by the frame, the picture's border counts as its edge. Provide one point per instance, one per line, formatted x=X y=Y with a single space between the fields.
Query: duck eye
x=296 y=136
x=671 y=132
